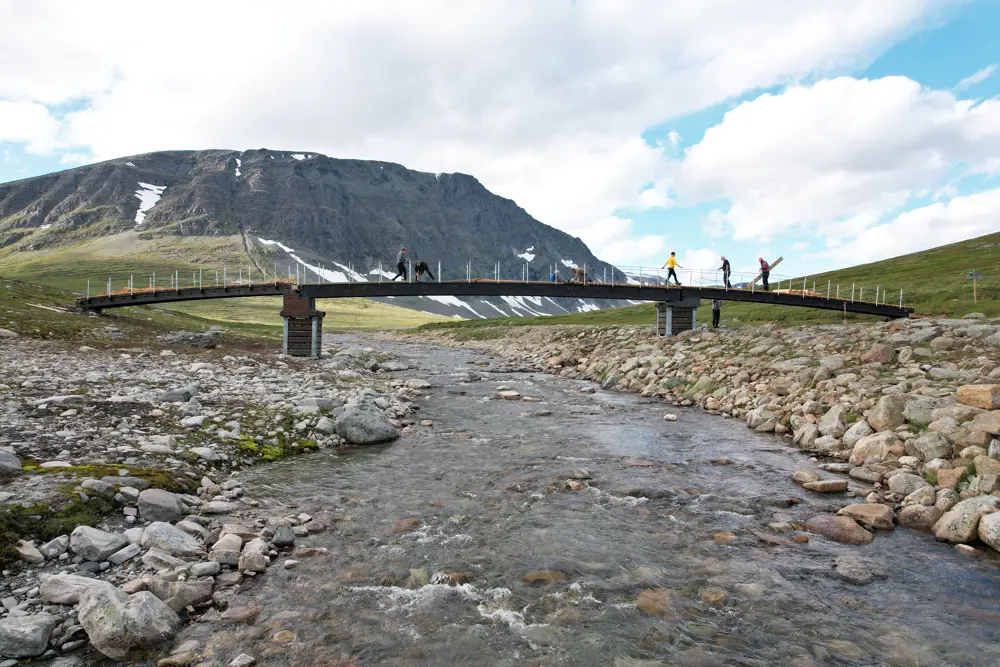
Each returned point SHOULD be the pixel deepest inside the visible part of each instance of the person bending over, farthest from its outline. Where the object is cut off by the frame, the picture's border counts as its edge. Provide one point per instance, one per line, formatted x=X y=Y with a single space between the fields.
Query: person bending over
x=421 y=268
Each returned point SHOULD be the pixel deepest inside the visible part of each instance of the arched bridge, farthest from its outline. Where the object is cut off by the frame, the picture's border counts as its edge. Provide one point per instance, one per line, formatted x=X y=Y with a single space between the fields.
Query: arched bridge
x=303 y=323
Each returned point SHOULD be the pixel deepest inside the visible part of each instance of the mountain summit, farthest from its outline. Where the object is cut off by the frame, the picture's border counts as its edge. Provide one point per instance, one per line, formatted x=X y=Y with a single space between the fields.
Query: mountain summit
x=330 y=217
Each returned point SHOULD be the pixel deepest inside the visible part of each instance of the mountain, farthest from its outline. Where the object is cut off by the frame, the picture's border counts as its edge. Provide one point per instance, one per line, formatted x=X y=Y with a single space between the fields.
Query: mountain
x=266 y=211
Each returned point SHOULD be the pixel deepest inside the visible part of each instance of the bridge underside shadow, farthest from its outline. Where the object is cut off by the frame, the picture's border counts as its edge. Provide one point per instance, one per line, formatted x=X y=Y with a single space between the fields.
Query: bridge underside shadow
x=303 y=324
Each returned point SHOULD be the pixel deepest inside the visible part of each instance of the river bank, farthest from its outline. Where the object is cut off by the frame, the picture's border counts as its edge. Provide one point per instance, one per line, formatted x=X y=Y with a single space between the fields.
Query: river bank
x=907 y=411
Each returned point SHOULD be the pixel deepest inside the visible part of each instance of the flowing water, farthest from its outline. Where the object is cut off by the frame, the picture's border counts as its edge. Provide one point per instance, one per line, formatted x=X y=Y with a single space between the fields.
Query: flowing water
x=461 y=545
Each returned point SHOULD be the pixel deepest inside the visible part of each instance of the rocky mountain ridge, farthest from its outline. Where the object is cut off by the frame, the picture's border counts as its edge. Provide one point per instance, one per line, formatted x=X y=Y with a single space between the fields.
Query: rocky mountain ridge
x=301 y=210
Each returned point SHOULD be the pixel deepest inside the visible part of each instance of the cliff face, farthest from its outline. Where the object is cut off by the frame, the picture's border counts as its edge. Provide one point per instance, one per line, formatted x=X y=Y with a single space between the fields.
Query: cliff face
x=330 y=212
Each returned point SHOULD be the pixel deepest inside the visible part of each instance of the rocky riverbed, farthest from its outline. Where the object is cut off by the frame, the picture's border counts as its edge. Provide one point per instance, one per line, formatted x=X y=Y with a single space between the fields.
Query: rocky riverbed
x=119 y=479
x=199 y=506
x=907 y=411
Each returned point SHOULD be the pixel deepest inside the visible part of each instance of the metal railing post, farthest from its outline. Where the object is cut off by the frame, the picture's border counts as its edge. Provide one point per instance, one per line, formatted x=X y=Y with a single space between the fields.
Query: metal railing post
x=177 y=280
x=877 y=287
x=828 y=288
x=900 y=298
x=852 y=292
x=861 y=295
x=803 y=288
x=88 y=288
x=439 y=270
x=131 y=289
x=154 y=282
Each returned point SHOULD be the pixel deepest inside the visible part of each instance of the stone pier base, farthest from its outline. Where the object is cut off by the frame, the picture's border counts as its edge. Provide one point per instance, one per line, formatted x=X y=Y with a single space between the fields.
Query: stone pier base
x=303 y=336
x=673 y=318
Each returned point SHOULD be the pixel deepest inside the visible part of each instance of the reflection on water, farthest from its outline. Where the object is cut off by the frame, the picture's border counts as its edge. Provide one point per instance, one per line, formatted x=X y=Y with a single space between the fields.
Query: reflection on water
x=455 y=550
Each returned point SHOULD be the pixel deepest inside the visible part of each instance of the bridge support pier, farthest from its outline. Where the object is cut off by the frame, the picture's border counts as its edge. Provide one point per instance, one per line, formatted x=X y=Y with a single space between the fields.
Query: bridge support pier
x=303 y=335
x=673 y=318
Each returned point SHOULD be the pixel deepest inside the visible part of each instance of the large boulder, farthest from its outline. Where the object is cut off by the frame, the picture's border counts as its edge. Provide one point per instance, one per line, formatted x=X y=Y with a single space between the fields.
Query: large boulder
x=905 y=483
x=116 y=623
x=171 y=540
x=959 y=524
x=920 y=410
x=838 y=528
x=160 y=505
x=989 y=530
x=859 y=429
x=988 y=422
x=95 y=545
x=930 y=446
x=832 y=423
x=180 y=594
x=879 y=353
x=873 y=448
x=67 y=588
x=26 y=636
x=806 y=436
x=888 y=413
x=919 y=517
x=985 y=396
x=365 y=425
x=873 y=515
x=9 y=464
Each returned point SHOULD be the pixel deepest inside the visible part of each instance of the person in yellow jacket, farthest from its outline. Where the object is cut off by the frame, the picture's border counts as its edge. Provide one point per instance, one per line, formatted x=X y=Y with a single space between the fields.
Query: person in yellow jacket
x=672 y=264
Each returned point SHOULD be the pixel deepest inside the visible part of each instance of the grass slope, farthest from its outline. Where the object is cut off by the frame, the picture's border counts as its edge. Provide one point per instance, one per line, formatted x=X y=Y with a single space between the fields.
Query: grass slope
x=934 y=282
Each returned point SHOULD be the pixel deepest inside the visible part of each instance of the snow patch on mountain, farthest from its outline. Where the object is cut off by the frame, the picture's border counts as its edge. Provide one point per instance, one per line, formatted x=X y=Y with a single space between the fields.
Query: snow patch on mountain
x=528 y=255
x=456 y=303
x=569 y=263
x=586 y=307
x=239 y=163
x=148 y=195
x=269 y=242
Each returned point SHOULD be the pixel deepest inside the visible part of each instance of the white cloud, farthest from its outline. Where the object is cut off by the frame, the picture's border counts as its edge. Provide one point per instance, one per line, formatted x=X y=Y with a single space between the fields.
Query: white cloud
x=937 y=224
x=29 y=123
x=977 y=77
x=612 y=239
x=544 y=102
x=842 y=148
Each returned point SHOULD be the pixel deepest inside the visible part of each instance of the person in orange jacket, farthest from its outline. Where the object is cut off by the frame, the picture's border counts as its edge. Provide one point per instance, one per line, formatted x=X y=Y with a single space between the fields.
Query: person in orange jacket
x=672 y=264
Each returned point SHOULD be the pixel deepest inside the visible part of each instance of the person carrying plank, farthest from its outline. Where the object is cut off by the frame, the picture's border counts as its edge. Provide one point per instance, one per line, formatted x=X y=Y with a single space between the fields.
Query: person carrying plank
x=672 y=264
x=765 y=271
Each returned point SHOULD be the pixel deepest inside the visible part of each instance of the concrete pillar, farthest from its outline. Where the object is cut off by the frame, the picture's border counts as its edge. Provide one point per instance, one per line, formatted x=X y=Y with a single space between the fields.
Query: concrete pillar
x=303 y=330
x=675 y=317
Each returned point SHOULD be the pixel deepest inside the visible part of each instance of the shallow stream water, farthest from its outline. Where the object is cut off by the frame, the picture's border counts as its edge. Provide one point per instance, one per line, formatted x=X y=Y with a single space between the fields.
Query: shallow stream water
x=479 y=501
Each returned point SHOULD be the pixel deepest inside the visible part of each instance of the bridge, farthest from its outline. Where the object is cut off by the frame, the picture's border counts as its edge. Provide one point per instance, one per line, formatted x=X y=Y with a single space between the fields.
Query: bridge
x=303 y=324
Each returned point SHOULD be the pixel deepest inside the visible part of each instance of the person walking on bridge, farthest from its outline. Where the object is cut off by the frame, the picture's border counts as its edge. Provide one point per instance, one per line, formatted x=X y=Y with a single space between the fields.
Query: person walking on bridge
x=420 y=269
x=672 y=264
x=401 y=266
x=725 y=272
x=765 y=271
x=716 y=312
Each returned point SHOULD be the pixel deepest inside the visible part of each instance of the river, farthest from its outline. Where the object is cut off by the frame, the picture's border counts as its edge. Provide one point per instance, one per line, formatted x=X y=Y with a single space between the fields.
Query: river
x=461 y=545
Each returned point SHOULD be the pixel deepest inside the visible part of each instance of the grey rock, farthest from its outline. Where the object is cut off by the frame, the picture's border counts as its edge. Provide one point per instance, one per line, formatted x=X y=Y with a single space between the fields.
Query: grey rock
x=930 y=446
x=9 y=464
x=180 y=594
x=364 y=425
x=959 y=524
x=326 y=426
x=920 y=410
x=67 y=588
x=832 y=423
x=888 y=413
x=284 y=537
x=126 y=481
x=806 y=436
x=209 y=569
x=160 y=505
x=116 y=623
x=218 y=507
x=989 y=530
x=26 y=636
x=859 y=429
x=182 y=395
x=129 y=552
x=905 y=483
x=161 y=560
x=95 y=545
x=857 y=571
x=55 y=548
x=28 y=553
x=171 y=540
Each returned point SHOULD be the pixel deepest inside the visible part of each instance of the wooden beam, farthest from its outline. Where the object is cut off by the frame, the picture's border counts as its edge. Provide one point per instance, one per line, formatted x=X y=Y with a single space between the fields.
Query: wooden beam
x=773 y=264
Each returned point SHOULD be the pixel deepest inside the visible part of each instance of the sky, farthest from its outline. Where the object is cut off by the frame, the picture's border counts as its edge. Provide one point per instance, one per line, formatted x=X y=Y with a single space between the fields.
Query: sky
x=829 y=132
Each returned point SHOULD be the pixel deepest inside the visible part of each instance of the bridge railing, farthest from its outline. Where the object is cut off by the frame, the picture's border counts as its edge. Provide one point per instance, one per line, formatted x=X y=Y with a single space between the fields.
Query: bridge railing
x=510 y=270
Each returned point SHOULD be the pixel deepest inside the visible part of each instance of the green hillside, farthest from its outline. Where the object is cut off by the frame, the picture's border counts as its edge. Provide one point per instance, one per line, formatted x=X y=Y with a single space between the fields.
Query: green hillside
x=934 y=282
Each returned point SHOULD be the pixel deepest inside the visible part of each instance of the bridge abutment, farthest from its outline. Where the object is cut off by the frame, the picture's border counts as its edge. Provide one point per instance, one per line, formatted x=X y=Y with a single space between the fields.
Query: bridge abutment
x=303 y=334
x=675 y=317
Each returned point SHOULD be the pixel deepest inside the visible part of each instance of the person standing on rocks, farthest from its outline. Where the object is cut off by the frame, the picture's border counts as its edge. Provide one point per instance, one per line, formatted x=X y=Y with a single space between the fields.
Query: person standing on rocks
x=765 y=271
x=672 y=264
x=725 y=272
x=401 y=265
x=420 y=269
x=716 y=312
